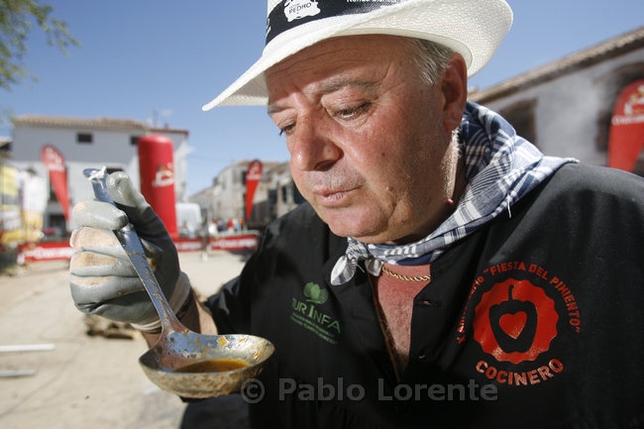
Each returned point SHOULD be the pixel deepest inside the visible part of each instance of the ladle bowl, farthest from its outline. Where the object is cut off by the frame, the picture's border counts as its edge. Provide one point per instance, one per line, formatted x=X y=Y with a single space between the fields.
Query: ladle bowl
x=164 y=361
x=177 y=347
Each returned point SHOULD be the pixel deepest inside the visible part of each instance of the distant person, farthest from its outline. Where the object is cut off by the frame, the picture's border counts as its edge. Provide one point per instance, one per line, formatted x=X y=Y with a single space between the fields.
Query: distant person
x=187 y=230
x=443 y=274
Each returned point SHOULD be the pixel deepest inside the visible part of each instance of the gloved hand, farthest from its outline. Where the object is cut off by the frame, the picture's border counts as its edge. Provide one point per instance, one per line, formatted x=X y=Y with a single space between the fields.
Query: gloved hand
x=102 y=278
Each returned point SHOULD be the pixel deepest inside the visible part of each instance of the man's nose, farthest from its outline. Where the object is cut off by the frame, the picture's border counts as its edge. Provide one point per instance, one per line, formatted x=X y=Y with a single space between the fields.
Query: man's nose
x=312 y=146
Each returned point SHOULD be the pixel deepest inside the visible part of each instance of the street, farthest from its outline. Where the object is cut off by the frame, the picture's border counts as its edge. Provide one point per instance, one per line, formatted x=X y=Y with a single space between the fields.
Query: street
x=79 y=380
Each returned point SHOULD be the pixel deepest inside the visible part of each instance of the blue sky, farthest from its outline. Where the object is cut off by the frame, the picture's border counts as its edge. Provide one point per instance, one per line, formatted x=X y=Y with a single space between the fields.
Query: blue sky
x=169 y=57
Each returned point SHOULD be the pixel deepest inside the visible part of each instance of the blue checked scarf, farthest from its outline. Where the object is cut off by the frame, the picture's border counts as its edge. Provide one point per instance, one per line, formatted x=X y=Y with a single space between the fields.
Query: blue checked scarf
x=501 y=168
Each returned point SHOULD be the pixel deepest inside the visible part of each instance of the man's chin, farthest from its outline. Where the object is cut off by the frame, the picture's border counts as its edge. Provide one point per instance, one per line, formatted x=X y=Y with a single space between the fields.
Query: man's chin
x=344 y=227
x=350 y=222
x=353 y=230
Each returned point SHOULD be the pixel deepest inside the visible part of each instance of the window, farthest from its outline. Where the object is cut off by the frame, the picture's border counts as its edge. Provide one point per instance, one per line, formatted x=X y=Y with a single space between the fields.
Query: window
x=5 y=146
x=521 y=116
x=134 y=140
x=272 y=197
x=297 y=197
x=110 y=170
x=57 y=224
x=84 y=138
x=287 y=195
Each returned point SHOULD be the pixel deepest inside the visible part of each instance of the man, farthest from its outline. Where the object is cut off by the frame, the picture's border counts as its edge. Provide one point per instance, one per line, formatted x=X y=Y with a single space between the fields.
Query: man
x=444 y=273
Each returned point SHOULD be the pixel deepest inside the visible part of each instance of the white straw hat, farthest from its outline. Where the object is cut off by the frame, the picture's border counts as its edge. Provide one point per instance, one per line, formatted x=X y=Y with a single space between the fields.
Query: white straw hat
x=473 y=28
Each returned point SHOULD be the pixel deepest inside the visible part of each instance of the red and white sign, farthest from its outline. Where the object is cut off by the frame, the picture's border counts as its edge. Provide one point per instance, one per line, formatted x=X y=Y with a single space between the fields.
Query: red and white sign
x=231 y=243
x=61 y=250
x=626 y=139
x=235 y=242
x=253 y=176
x=46 y=251
x=55 y=164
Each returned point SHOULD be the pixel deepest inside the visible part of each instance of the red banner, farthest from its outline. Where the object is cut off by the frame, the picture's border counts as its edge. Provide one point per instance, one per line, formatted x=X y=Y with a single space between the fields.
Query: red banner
x=55 y=164
x=626 y=139
x=253 y=176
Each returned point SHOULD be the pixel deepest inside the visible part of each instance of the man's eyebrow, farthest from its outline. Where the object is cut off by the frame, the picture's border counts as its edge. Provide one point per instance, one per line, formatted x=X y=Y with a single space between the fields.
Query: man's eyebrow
x=329 y=87
x=273 y=108
x=334 y=85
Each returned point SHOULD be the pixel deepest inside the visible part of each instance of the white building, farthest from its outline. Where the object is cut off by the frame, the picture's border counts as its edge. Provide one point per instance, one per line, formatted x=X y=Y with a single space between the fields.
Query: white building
x=88 y=143
x=565 y=107
x=226 y=199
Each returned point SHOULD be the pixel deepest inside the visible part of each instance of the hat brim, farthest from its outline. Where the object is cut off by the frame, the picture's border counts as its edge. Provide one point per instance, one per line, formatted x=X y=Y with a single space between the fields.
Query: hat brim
x=473 y=28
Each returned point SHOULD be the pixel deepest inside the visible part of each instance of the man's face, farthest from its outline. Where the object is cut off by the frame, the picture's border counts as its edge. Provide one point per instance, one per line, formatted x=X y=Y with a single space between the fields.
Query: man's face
x=369 y=139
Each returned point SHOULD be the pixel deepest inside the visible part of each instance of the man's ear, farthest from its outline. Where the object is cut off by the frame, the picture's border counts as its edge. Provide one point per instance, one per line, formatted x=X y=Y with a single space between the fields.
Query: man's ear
x=454 y=90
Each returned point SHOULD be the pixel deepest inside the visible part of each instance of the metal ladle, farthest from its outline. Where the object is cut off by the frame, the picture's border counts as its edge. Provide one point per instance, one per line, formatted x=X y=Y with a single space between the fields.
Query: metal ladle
x=177 y=346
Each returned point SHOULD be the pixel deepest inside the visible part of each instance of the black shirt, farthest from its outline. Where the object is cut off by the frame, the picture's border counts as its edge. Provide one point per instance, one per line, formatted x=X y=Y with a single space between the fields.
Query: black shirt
x=534 y=321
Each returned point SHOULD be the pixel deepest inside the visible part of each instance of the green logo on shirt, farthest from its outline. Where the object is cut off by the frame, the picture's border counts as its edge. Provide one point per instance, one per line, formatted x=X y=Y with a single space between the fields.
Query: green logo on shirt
x=308 y=315
x=315 y=294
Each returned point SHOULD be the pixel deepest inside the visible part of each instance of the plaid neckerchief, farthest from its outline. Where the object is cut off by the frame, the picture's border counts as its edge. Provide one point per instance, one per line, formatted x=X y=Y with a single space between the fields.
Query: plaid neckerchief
x=501 y=168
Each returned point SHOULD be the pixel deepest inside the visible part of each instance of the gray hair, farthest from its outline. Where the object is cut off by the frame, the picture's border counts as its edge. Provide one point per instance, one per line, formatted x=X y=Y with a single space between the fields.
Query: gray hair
x=431 y=59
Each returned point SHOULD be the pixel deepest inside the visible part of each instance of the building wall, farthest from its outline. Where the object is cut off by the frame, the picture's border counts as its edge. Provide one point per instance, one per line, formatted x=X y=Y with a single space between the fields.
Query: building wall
x=229 y=198
x=568 y=114
x=226 y=198
x=110 y=147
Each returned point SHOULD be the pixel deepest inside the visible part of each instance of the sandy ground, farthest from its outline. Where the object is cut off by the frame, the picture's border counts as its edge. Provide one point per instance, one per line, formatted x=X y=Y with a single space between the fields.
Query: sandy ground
x=83 y=381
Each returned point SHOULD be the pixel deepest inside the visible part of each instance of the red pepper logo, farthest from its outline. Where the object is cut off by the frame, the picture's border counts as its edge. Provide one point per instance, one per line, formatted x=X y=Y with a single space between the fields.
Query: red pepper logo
x=515 y=321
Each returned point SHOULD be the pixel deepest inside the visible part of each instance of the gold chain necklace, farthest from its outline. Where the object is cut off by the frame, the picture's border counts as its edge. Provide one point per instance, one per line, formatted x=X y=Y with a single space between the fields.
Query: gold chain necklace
x=425 y=278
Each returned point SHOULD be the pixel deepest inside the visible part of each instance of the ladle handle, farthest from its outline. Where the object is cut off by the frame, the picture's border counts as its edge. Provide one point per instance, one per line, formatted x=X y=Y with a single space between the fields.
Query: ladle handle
x=131 y=243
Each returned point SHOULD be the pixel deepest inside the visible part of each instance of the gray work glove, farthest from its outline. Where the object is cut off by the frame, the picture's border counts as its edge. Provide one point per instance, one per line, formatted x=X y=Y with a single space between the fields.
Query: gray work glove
x=102 y=278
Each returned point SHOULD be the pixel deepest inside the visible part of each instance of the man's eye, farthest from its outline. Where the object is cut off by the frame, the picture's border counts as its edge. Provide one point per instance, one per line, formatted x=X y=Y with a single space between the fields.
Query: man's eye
x=350 y=112
x=288 y=129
